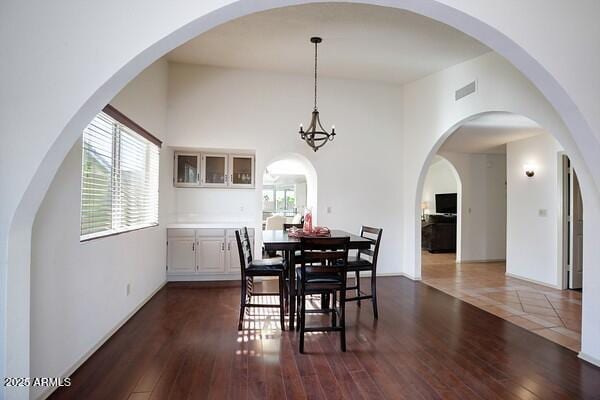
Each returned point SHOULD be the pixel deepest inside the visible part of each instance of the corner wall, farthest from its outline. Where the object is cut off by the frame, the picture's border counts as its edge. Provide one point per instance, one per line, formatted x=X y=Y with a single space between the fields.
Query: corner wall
x=78 y=290
x=534 y=210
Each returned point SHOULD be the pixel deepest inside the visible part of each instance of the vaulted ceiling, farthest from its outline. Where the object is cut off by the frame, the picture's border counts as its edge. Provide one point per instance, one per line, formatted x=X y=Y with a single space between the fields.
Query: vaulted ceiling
x=360 y=42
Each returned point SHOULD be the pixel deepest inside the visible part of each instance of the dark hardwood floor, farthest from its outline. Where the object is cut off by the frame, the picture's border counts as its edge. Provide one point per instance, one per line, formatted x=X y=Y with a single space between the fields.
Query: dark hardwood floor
x=184 y=344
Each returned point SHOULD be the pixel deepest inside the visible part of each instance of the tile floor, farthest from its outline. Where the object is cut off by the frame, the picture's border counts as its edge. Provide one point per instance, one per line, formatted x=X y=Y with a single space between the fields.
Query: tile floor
x=553 y=314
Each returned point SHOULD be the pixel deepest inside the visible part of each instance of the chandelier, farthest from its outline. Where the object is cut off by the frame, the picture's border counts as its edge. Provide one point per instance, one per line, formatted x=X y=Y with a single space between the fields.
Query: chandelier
x=315 y=135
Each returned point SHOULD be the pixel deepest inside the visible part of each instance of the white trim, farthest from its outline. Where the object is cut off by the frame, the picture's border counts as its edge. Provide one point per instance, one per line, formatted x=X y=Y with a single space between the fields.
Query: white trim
x=533 y=281
x=586 y=357
x=44 y=395
x=218 y=276
x=385 y=274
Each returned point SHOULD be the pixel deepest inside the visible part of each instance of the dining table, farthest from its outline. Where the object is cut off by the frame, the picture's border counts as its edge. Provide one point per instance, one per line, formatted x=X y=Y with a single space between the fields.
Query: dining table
x=279 y=240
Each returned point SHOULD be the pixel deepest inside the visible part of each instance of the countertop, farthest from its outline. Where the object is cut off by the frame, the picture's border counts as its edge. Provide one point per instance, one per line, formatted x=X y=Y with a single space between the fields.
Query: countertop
x=217 y=225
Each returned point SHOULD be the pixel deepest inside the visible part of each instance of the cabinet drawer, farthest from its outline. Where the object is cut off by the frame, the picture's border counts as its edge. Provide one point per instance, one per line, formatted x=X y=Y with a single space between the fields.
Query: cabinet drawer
x=179 y=232
x=206 y=232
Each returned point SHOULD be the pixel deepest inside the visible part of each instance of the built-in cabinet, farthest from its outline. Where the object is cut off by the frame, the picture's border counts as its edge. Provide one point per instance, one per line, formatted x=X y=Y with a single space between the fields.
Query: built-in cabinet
x=207 y=253
x=216 y=170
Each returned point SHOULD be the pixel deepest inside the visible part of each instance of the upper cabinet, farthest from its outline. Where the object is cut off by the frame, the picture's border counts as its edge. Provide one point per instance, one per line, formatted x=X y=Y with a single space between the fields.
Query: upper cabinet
x=187 y=169
x=216 y=170
x=241 y=170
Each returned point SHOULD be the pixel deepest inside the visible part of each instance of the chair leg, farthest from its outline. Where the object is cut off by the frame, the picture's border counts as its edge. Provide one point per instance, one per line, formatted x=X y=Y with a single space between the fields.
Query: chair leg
x=357 y=275
x=298 y=311
x=374 y=294
x=302 y=321
x=333 y=306
x=281 y=301
x=242 y=305
x=343 y=319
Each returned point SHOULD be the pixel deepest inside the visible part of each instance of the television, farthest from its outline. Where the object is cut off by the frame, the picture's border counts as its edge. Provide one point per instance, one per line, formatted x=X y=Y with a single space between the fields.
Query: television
x=445 y=203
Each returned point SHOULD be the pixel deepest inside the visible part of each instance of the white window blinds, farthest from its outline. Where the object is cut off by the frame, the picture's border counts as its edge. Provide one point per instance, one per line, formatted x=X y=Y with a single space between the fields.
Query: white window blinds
x=119 y=184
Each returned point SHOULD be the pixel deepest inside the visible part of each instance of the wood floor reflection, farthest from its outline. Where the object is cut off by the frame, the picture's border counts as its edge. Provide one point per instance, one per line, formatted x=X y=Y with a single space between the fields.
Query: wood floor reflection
x=553 y=314
x=426 y=345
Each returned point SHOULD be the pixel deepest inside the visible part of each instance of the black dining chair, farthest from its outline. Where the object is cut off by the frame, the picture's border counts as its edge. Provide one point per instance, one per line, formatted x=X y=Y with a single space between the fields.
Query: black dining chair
x=323 y=272
x=366 y=260
x=250 y=269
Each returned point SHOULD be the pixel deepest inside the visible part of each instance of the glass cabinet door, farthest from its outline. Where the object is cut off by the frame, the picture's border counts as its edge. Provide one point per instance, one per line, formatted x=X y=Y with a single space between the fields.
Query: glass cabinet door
x=187 y=171
x=214 y=170
x=241 y=170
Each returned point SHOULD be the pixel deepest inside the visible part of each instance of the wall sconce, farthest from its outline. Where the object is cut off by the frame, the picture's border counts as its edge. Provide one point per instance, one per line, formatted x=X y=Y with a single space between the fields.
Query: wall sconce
x=529 y=170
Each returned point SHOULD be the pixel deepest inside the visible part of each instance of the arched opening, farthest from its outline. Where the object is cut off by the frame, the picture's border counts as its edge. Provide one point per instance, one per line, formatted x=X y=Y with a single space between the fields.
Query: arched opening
x=441 y=205
x=522 y=225
x=289 y=185
x=28 y=200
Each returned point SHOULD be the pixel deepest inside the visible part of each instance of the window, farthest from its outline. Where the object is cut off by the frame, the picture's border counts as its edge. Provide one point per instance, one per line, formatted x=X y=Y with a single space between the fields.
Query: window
x=279 y=198
x=119 y=179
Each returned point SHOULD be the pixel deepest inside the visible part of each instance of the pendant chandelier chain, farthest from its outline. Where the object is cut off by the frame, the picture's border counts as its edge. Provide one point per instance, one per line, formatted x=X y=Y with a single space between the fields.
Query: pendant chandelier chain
x=315 y=107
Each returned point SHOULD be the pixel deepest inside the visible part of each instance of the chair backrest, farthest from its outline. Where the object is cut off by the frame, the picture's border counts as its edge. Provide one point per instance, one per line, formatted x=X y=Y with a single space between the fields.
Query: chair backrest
x=244 y=248
x=297 y=219
x=288 y=226
x=275 y=223
x=374 y=236
x=324 y=256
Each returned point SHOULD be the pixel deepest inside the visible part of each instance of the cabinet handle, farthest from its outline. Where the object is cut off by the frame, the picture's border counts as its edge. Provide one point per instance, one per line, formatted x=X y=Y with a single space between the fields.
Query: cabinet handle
x=194 y=246
x=229 y=246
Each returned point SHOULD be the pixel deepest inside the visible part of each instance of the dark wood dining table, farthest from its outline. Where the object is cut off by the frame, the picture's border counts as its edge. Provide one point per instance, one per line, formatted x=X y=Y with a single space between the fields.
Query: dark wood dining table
x=279 y=240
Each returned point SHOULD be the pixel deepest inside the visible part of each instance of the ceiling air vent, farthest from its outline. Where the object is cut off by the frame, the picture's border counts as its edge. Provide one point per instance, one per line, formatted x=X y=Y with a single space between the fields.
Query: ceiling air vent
x=465 y=91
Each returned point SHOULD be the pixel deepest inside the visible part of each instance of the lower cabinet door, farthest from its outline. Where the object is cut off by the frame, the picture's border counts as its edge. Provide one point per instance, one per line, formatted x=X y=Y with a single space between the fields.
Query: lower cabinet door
x=181 y=255
x=211 y=254
x=233 y=254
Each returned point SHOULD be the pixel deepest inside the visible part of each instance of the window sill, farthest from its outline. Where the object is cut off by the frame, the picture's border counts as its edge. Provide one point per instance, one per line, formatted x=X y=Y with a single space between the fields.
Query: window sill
x=106 y=234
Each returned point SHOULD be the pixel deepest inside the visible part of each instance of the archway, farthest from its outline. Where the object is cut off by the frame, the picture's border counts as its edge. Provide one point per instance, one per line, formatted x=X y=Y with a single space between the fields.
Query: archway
x=528 y=172
x=22 y=204
x=295 y=172
x=443 y=179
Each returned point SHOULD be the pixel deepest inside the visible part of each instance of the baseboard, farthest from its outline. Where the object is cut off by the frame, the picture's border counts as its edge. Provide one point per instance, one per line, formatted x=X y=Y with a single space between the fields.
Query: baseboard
x=90 y=352
x=481 y=261
x=367 y=274
x=533 y=281
x=219 y=276
x=592 y=360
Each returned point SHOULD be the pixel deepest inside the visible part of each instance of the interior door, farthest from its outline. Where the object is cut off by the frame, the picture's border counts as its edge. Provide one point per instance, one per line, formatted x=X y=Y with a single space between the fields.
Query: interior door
x=211 y=254
x=576 y=234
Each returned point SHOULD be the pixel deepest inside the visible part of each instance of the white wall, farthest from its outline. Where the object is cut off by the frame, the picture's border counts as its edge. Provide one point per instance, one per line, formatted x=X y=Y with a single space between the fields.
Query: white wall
x=440 y=178
x=78 y=290
x=533 y=239
x=483 y=205
x=233 y=108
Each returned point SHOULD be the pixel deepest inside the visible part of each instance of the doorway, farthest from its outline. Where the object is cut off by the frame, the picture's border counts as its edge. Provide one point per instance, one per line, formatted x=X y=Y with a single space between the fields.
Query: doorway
x=288 y=187
x=572 y=227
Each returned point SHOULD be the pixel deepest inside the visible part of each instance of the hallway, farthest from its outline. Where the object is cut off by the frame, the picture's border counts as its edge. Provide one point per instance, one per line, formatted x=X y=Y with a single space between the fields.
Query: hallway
x=553 y=314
